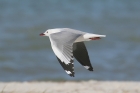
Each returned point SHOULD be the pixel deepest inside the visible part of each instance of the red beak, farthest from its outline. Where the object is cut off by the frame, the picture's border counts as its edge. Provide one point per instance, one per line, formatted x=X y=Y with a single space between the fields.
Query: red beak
x=42 y=34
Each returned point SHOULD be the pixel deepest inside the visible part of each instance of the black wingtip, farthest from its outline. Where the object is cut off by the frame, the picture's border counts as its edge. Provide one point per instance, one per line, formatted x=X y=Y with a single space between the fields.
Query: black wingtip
x=90 y=69
x=67 y=67
x=72 y=75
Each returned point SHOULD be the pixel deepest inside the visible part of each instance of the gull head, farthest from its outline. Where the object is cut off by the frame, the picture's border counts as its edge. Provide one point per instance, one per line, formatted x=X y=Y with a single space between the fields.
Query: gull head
x=50 y=31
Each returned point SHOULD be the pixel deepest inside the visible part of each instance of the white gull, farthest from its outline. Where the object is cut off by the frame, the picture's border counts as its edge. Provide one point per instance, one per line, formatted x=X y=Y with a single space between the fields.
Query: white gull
x=68 y=43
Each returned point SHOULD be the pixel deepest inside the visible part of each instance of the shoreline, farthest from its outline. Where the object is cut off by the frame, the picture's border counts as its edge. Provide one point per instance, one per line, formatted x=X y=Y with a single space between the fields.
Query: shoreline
x=91 y=86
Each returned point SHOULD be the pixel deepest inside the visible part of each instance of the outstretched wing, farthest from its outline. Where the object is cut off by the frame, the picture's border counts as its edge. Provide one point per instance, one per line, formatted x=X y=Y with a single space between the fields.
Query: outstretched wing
x=68 y=68
x=81 y=55
x=62 y=45
x=65 y=57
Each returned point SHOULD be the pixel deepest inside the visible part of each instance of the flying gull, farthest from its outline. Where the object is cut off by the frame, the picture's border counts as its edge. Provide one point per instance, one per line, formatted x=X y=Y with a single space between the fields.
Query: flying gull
x=68 y=43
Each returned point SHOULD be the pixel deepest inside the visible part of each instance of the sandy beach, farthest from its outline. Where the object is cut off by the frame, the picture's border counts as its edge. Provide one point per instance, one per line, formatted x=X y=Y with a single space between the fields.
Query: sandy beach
x=90 y=86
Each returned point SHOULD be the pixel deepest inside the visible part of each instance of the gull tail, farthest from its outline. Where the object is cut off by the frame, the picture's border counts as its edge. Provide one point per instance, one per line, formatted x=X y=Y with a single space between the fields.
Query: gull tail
x=88 y=36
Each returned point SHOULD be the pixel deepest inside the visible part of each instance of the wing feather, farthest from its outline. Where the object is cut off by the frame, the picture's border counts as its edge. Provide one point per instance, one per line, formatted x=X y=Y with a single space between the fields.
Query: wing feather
x=63 y=49
x=81 y=55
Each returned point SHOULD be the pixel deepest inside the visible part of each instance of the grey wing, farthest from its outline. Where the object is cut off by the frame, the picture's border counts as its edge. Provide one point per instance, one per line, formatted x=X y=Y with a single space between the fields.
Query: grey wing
x=81 y=55
x=62 y=45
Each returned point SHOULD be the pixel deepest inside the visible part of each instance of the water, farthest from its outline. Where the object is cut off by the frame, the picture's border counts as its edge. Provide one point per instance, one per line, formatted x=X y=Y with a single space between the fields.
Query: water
x=25 y=56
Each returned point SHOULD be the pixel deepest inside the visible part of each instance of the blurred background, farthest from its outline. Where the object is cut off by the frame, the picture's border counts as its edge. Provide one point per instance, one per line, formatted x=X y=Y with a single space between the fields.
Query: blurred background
x=25 y=56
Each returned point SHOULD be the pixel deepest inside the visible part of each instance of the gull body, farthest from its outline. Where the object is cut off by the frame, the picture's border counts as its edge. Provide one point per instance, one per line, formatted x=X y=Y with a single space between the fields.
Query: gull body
x=69 y=43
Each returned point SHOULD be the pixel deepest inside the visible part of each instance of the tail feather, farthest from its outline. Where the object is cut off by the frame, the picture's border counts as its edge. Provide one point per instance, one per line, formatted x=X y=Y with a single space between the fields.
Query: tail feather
x=86 y=36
